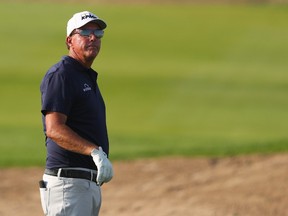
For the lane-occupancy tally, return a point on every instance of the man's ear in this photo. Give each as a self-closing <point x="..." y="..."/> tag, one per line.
<point x="68" y="42"/>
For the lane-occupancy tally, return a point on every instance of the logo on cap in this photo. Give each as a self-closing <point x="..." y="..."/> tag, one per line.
<point x="86" y="16"/>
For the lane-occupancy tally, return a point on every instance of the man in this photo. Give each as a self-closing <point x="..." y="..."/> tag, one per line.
<point x="74" y="121"/>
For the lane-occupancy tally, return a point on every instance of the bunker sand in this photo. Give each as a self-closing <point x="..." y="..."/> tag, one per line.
<point x="247" y="185"/>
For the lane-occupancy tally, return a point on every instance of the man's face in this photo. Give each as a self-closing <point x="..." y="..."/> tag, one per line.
<point x="85" y="48"/>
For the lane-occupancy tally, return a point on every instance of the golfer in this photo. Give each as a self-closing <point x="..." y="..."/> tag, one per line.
<point x="74" y="121"/>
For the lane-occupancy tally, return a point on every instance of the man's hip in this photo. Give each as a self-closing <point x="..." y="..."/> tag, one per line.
<point x="70" y="195"/>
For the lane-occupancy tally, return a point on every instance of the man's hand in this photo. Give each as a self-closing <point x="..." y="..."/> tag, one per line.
<point x="104" y="166"/>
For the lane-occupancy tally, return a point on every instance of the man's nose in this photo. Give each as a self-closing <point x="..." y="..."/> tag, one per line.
<point x="92" y="37"/>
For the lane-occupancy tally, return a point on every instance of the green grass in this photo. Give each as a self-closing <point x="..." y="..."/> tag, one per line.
<point x="178" y="80"/>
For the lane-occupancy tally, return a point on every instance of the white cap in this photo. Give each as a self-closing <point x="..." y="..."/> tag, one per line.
<point x="82" y="18"/>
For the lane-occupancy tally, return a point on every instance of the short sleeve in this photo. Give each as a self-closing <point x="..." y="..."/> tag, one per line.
<point x="56" y="93"/>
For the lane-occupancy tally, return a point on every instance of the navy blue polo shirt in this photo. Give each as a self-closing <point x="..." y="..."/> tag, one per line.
<point x="72" y="89"/>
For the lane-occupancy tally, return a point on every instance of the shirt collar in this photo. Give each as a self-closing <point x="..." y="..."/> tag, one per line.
<point x="79" y="66"/>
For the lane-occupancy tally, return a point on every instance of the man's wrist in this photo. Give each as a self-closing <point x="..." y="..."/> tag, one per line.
<point x="94" y="151"/>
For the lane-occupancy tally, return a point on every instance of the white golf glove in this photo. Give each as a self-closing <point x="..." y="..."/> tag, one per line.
<point x="104" y="166"/>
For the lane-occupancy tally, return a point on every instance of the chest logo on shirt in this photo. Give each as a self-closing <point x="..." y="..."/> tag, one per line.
<point x="86" y="87"/>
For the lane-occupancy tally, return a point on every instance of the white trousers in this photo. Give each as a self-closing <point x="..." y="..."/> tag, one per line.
<point x="70" y="197"/>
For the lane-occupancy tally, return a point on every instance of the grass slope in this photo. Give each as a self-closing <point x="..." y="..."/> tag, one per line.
<point x="178" y="79"/>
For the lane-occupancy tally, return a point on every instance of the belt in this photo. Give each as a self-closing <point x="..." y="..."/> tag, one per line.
<point x="72" y="173"/>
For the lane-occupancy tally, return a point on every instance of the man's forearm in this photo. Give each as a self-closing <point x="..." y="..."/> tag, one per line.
<point x="64" y="136"/>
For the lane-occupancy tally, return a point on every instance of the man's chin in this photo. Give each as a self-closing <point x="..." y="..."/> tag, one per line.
<point x="91" y="55"/>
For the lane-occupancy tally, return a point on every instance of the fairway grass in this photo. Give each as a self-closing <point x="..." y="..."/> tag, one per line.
<point x="190" y="80"/>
